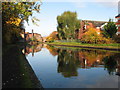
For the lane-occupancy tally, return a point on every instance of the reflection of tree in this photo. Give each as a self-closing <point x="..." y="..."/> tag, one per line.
<point x="91" y="58"/>
<point x="67" y="63"/>
<point x="111" y="63"/>
<point x="52" y="50"/>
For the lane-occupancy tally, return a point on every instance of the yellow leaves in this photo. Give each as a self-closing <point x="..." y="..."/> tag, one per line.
<point x="19" y="3"/>
<point x="52" y="36"/>
<point x="91" y="31"/>
<point x="15" y="21"/>
<point x="49" y="38"/>
<point x="92" y="36"/>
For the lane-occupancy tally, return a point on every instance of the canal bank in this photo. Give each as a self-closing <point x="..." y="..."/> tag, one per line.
<point x="16" y="71"/>
<point x="112" y="47"/>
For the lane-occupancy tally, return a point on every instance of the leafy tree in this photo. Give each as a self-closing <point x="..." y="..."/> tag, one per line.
<point x="67" y="24"/>
<point x="110" y="29"/>
<point x="13" y="13"/>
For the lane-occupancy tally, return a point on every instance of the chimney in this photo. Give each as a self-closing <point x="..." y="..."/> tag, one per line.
<point x="32" y="33"/>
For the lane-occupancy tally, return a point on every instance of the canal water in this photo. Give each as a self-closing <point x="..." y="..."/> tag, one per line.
<point x="66" y="67"/>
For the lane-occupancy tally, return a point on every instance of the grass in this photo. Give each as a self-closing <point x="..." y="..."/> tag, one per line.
<point x="77" y="44"/>
<point x="80" y="48"/>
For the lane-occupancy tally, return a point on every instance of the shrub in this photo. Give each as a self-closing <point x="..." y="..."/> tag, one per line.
<point x="49" y="39"/>
<point x="116" y="38"/>
<point x="91" y="36"/>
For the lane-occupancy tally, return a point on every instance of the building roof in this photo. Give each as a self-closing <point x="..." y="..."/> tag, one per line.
<point x="96" y="23"/>
<point x="117" y="16"/>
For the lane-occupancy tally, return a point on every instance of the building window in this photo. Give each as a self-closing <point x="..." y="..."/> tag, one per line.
<point x="118" y="18"/>
<point x="118" y="25"/>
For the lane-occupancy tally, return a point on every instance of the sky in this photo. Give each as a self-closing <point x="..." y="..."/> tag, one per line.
<point x="99" y="10"/>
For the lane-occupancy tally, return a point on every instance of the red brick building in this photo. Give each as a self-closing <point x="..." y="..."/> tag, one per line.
<point x="86" y="24"/>
<point x="29" y="36"/>
<point x="118" y="24"/>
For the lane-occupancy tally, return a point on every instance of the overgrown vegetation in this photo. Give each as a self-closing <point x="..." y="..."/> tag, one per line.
<point x="13" y="15"/>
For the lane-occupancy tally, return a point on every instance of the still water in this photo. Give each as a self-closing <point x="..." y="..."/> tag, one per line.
<point x="60" y="67"/>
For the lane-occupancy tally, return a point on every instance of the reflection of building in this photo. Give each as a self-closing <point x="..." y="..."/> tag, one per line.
<point x="90" y="58"/>
<point x="32" y="49"/>
<point x="69" y="61"/>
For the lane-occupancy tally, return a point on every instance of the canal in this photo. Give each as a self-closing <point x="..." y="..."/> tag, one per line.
<point x="65" y="67"/>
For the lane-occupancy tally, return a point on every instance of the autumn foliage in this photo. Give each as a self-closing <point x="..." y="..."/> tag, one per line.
<point x="92" y="36"/>
<point x="53" y="36"/>
<point x="15" y="21"/>
<point x="13" y="14"/>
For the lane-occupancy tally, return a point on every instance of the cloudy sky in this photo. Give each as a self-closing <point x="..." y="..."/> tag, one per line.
<point x="100" y="10"/>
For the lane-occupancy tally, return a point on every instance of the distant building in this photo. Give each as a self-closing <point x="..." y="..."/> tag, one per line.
<point x="118" y="19"/>
<point x="118" y="24"/>
<point x="30" y="36"/>
<point x="86" y="24"/>
<point x="102" y="26"/>
<point x="37" y="36"/>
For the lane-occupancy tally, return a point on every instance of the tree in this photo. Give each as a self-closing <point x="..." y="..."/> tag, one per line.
<point x="13" y="13"/>
<point x="67" y="24"/>
<point x="91" y="36"/>
<point x="110" y="29"/>
<point x="53" y="36"/>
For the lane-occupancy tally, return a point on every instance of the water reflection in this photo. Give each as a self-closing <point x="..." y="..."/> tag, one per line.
<point x="32" y="49"/>
<point x="70" y="60"/>
<point x="112" y="64"/>
<point x="68" y="63"/>
<point x="52" y="50"/>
